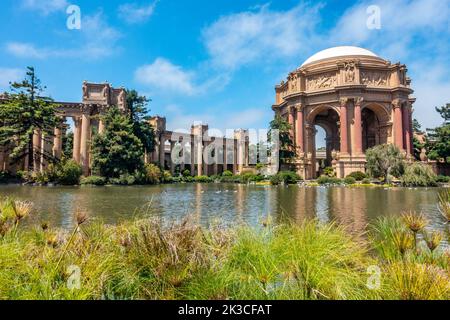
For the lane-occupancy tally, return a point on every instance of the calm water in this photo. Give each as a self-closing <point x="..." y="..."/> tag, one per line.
<point x="229" y="203"/>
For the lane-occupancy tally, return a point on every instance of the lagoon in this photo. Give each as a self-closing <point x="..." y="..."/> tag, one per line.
<point x="355" y="207"/>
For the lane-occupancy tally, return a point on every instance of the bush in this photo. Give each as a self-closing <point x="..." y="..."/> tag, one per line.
<point x="124" y="180"/>
<point x="69" y="173"/>
<point x="358" y="175"/>
<point x="188" y="179"/>
<point x="366" y="181"/>
<point x="324" y="180"/>
<point x="94" y="181"/>
<point x="349" y="180"/>
<point x="443" y="179"/>
<point x="329" y="172"/>
<point x="186" y="173"/>
<point x="203" y="179"/>
<point x="250" y="177"/>
<point x="287" y="177"/>
<point x="419" y="175"/>
<point x="153" y="174"/>
<point x="227" y="173"/>
<point x="290" y="177"/>
<point x="167" y="177"/>
<point x="276" y="179"/>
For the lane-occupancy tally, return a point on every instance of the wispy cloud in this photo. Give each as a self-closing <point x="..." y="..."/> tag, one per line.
<point x="8" y="75"/>
<point x="45" y="6"/>
<point x="134" y="13"/>
<point x="96" y="39"/>
<point x="260" y="34"/>
<point x="165" y="76"/>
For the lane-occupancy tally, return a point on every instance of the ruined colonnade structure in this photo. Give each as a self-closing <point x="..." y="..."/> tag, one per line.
<point x="198" y="152"/>
<point x="357" y="97"/>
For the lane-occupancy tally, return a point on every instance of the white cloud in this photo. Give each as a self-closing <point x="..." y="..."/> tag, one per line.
<point x="26" y="50"/>
<point x="165" y="76"/>
<point x="96" y="39"/>
<point x="262" y="34"/>
<point x="8" y="75"/>
<point x="134" y="13"/>
<point x="45" y="6"/>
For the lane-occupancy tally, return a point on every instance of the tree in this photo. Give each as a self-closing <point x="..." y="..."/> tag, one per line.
<point x="138" y="114"/>
<point x="384" y="161"/>
<point x="438" y="142"/>
<point x="286" y="150"/>
<point x="418" y="145"/>
<point x="118" y="151"/>
<point x="67" y="142"/>
<point x="25" y="110"/>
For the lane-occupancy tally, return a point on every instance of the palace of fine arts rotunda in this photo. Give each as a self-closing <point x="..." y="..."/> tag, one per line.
<point x="358" y="98"/>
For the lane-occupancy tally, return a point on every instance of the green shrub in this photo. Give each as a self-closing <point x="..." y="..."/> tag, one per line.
<point x="329" y="172"/>
<point x="186" y="173"/>
<point x="203" y="179"/>
<point x="123" y="180"/>
<point x="349" y="180"/>
<point x="443" y="179"/>
<point x="366" y="181"/>
<point x="167" y="177"/>
<point x="358" y="175"/>
<point x="69" y="173"/>
<point x="227" y="173"/>
<point x="153" y="174"/>
<point x="94" y="181"/>
<point x="324" y="180"/>
<point x="290" y="177"/>
<point x="276" y="179"/>
<point x="250" y="177"/>
<point x="188" y="179"/>
<point x="419" y="175"/>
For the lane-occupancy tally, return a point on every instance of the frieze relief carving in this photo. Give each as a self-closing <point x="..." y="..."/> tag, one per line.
<point x="375" y="78"/>
<point x="293" y="82"/>
<point x="349" y="73"/>
<point x="322" y="81"/>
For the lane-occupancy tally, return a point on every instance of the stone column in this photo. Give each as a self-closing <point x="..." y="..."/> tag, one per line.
<point x="199" y="152"/>
<point x="172" y="164"/>
<point x="192" y="156"/>
<point x="344" y="126"/>
<point x="37" y="140"/>
<point x="407" y="129"/>
<point x="84" y="143"/>
<point x="101" y="126"/>
<point x="76" y="139"/>
<point x="235" y="156"/>
<point x="291" y="121"/>
<point x="225" y="160"/>
<point x="358" y="126"/>
<point x="299" y="129"/>
<point x="57" y="143"/>
<point x="398" y="125"/>
<point x="162" y="151"/>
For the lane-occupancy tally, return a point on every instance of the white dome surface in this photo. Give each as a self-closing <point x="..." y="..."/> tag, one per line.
<point x="339" y="52"/>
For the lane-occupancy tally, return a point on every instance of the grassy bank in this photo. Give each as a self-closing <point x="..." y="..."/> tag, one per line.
<point x="141" y="259"/>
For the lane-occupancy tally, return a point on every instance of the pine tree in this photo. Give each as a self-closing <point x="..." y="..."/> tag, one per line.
<point x="438" y="142"/>
<point x="25" y="110"/>
<point x="138" y="114"/>
<point x="286" y="150"/>
<point x="117" y="151"/>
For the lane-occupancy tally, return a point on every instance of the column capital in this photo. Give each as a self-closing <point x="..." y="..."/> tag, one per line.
<point x="291" y="109"/>
<point x="359" y="101"/>
<point x="343" y="101"/>
<point x="397" y="103"/>
<point x="299" y="107"/>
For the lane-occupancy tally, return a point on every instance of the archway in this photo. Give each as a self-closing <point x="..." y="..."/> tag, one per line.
<point x="325" y="121"/>
<point x="375" y="119"/>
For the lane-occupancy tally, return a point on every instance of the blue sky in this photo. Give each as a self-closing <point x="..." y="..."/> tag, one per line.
<point x="217" y="61"/>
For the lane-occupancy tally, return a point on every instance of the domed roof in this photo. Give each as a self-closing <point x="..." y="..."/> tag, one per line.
<point x="341" y="51"/>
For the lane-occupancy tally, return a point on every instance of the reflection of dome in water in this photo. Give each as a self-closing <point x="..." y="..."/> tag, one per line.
<point x="342" y="51"/>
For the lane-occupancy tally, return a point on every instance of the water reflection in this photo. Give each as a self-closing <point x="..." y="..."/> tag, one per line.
<point x="230" y="203"/>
